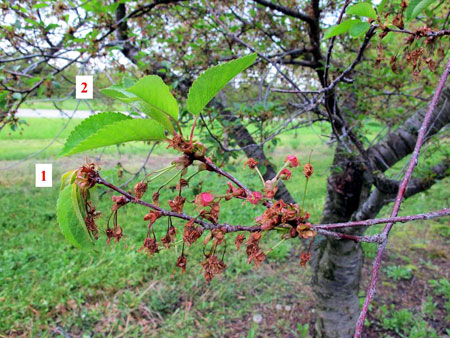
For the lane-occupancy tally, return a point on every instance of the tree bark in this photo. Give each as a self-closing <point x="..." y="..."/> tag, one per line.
<point x="336" y="264"/>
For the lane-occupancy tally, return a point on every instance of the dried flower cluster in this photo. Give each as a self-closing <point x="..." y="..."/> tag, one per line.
<point x="288" y="218"/>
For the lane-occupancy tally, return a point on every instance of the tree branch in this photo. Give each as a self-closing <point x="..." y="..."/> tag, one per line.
<point x="285" y="10"/>
<point x="385" y="234"/>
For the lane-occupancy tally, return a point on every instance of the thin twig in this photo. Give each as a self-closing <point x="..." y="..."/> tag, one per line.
<point x="398" y="201"/>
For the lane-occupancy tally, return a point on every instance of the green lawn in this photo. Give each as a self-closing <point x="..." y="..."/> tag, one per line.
<point x="49" y="288"/>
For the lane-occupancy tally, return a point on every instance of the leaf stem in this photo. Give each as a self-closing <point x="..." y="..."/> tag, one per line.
<point x="271" y="249"/>
<point x="170" y="179"/>
<point x="193" y="127"/>
<point x="260" y="176"/>
<point x="304" y="193"/>
<point x="160" y="172"/>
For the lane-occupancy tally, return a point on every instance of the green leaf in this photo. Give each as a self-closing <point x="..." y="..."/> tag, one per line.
<point x="154" y="114"/>
<point x="343" y="27"/>
<point x="211" y="81"/>
<point x="31" y="21"/>
<point x="362" y="9"/>
<point x="67" y="179"/>
<point x="119" y="132"/>
<point x="119" y="93"/>
<point x="70" y="217"/>
<point x="359" y="28"/>
<point x="41" y="5"/>
<point x="381" y="6"/>
<point x="89" y="127"/>
<point x="51" y="26"/>
<point x="128" y="82"/>
<point x="416" y="7"/>
<point x="153" y="91"/>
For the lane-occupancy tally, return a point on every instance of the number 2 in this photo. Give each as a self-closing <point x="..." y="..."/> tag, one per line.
<point x="43" y="176"/>
<point x="84" y="89"/>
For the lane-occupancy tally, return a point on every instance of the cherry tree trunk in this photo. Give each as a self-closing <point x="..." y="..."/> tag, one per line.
<point x="336" y="264"/>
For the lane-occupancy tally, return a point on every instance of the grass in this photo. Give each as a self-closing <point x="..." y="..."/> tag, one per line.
<point x="49" y="288"/>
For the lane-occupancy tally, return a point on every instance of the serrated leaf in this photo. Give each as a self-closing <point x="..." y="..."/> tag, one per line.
<point x="416" y="7"/>
<point x="211" y="81"/>
<point x="120" y="132"/>
<point x="359" y="28"/>
<point x="153" y="91"/>
<point x="154" y="114"/>
<point x="68" y="214"/>
<point x="89" y="127"/>
<point x="343" y="27"/>
<point x="362" y="9"/>
<point x="67" y="179"/>
<point x="119" y="93"/>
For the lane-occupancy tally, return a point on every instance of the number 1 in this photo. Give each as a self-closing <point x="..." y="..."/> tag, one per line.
<point x="43" y="176"/>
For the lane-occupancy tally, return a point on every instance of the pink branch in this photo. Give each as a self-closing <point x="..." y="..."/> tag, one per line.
<point x="398" y="201"/>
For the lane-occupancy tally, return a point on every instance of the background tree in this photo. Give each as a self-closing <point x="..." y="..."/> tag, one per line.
<point x="300" y="76"/>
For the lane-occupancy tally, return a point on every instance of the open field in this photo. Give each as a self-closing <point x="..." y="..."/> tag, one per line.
<point x="49" y="288"/>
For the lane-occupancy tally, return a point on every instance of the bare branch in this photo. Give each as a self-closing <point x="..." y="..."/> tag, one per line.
<point x="401" y="191"/>
<point x="285" y="10"/>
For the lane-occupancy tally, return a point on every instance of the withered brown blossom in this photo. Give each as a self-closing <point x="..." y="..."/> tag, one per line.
<point x="181" y="263"/>
<point x="119" y="201"/>
<point x="86" y="175"/>
<point x="304" y="230"/>
<point x="254" y="252"/>
<point x="116" y="233"/>
<point x="234" y="191"/>
<point x="239" y="240"/>
<point x="155" y="198"/>
<point x="182" y="162"/>
<point x="169" y="237"/>
<point x="219" y="236"/>
<point x="152" y="216"/>
<point x="191" y="232"/>
<point x="212" y="266"/>
<point x="150" y="246"/>
<point x="182" y="184"/>
<point x="139" y="190"/>
<point x="304" y="258"/>
<point x="177" y="204"/>
<point x="213" y="213"/>
<point x="308" y="170"/>
<point x="178" y="143"/>
<point x="270" y="188"/>
<point x="89" y="220"/>
<point x="251" y="163"/>
<point x="272" y="216"/>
